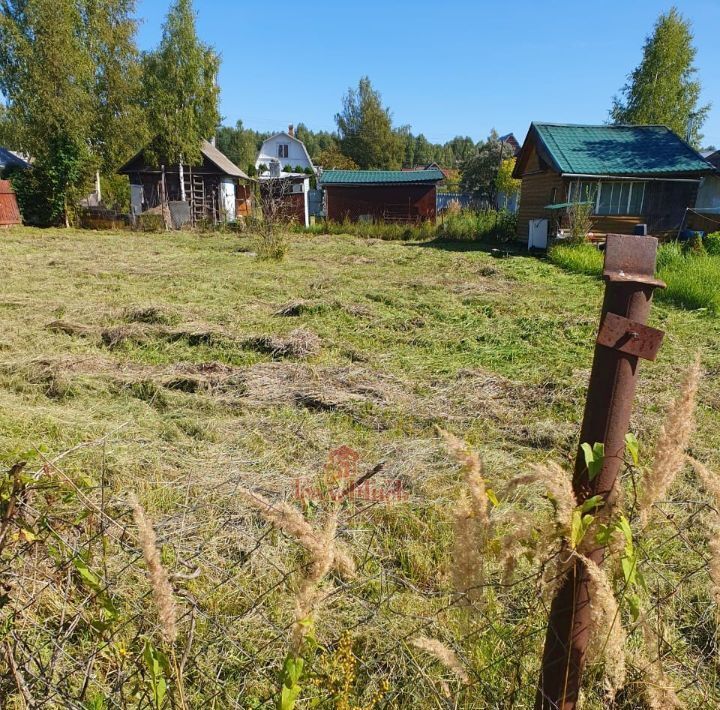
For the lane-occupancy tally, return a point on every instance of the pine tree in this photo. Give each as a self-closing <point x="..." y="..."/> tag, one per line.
<point x="365" y="128"/>
<point x="663" y="88"/>
<point x="181" y="89"/>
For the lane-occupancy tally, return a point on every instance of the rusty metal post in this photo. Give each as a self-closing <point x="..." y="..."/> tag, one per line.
<point x="622" y="339"/>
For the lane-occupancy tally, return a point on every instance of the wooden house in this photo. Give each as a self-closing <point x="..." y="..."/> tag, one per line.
<point x="215" y="191"/>
<point x="283" y="152"/>
<point x="633" y="175"/>
<point x="380" y="195"/>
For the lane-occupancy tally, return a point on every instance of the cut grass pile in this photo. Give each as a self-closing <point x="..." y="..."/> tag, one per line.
<point x="693" y="280"/>
<point x="203" y="369"/>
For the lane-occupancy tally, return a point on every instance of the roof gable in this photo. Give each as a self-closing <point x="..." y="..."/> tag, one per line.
<point x="9" y="159"/>
<point x="380" y="177"/>
<point x="612" y="150"/>
<point x="287" y="136"/>
<point x="207" y="150"/>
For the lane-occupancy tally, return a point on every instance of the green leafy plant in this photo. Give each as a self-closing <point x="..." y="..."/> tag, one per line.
<point x="594" y="457"/>
<point x="157" y="668"/>
<point x="290" y="682"/>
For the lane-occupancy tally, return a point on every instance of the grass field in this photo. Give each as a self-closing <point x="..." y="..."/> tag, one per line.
<point x="199" y="365"/>
<point x="692" y="280"/>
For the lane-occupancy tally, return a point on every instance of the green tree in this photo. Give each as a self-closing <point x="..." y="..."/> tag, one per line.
<point x="365" y="128"/>
<point x="663" y="88"/>
<point x="334" y="159"/>
<point x="48" y="77"/>
<point x="315" y="141"/>
<point x="407" y="141"/>
<point x="479" y="173"/>
<point x="119" y="127"/>
<point x="240" y="144"/>
<point x="70" y="72"/>
<point x="424" y="153"/>
<point x="463" y="148"/>
<point x="181" y="93"/>
<point x="505" y="184"/>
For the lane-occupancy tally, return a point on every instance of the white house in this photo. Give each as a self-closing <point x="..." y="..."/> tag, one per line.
<point x="283" y="153"/>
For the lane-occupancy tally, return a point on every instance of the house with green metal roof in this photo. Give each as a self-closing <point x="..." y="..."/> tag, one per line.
<point x="380" y="195"/>
<point x="633" y="175"/>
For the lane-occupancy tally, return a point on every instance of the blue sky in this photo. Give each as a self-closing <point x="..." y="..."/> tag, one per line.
<point x="447" y="68"/>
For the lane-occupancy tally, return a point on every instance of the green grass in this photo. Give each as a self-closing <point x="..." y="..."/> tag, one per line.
<point x="412" y="336"/>
<point x="693" y="280"/>
<point x="467" y="225"/>
<point x="581" y="258"/>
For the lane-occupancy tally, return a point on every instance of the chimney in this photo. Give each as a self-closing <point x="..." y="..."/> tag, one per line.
<point x="291" y="130"/>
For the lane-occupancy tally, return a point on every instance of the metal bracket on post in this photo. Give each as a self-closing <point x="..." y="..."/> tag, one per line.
<point x="629" y="336"/>
<point x="622" y="339"/>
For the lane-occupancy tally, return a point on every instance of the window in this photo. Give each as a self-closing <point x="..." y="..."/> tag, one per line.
<point x="283" y="150"/>
<point x="624" y="197"/>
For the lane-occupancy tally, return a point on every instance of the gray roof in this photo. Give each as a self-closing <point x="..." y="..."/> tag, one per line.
<point x="209" y="151"/>
<point x="222" y="161"/>
<point x="9" y="159"/>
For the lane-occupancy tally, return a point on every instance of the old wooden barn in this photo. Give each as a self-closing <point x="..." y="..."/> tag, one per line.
<point x="380" y="195"/>
<point x="634" y="176"/>
<point x="214" y="191"/>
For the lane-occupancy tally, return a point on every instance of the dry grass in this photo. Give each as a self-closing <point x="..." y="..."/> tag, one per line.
<point x="300" y="343"/>
<point x="444" y="654"/>
<point x="672" y="443"/>
<point x="161" y="589"/>
<point x="608" y="638"/>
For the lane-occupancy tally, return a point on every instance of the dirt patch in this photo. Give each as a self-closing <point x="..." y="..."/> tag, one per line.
<point x="299" y="343"/>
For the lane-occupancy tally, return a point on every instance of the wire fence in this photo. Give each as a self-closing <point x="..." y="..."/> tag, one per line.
<point x="80" y="626"/>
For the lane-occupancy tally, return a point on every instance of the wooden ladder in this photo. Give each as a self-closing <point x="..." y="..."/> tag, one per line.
<point x="196" y="196"/>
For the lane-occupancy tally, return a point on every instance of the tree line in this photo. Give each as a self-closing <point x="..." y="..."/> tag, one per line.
<point x="80" y="99"/>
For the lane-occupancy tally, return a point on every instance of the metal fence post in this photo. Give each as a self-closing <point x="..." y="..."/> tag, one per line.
<point x="622" y="339"/>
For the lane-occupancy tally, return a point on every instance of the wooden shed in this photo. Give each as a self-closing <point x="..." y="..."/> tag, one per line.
<point x="633" y="175"/>
<point x="216" y="190"/>
<point x="9" y="211"/>
<point x="380" y="195"/>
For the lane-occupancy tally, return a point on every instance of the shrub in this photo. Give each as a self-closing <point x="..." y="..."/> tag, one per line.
<point x="694" y="245"/>
<point x="712" y="243"/>
<point x="579" y="216"/>
<point x="151" y="222"/>
<point x="489" y="225"/>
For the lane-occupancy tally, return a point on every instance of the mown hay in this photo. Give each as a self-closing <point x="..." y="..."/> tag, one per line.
<point x="76" y="329"/>
<point x="299" y="343"/>
<point x="149" y="314"/>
